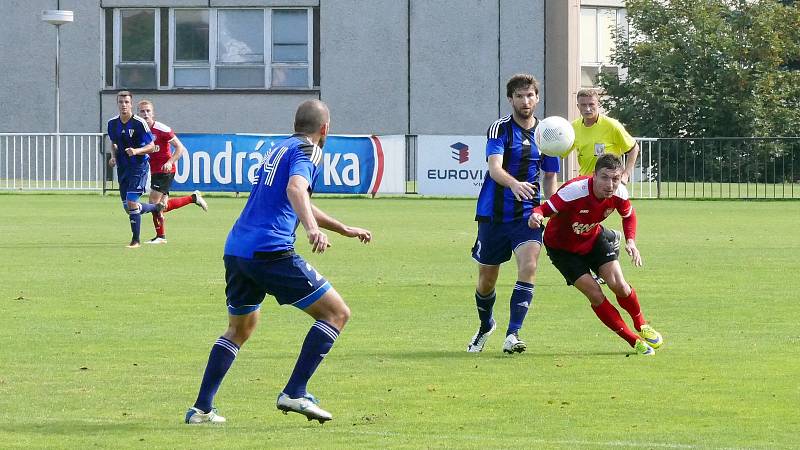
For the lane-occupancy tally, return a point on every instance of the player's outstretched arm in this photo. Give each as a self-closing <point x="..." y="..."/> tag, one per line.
<point x="329" y="223"/>
<point x="549" y="184"/>
<point x="630" y="163"/>
<point x="297" y="191"/>
<point x="140" y="150"/>
<point x="176" y="155"/>
<point x="113" y="160"/>
<point x="538" y="214"/>
<point x="633" y="252"/>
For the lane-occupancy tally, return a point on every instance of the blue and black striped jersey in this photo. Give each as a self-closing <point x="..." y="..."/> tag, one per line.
<point x="522" y="160"/>
<point x="131" y="134"/>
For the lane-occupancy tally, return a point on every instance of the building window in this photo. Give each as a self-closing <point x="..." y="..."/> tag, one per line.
<point x="240" y="48"/>
<point x="216" y="48"/>
<point x="137" y="49"/>
<point x="190" y="63"/>
<point x="597" y="41"/>
<point x="290" y="55"/>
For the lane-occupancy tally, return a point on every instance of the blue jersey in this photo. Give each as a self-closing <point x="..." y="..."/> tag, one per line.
<point x="134" y="134"/>
<point x="268" y="221"/>
<point x="522" y="160"/>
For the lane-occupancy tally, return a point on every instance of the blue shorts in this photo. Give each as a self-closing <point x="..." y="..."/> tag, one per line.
<point x="132" y="183"/>
<point x="290" y="279"/>
<point x="496" y="241"/>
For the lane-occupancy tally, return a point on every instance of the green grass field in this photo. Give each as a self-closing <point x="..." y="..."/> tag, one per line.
<point x="105" y="346"/>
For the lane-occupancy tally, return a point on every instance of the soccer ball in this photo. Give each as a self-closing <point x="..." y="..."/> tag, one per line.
<point x="554" y="136"/>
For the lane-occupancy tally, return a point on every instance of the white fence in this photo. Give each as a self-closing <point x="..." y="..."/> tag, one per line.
<point x="46" y="161"/>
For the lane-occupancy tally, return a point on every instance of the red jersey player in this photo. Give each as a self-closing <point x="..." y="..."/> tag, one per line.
<point x="162" y="171"/>
<point x="576" y="243"/>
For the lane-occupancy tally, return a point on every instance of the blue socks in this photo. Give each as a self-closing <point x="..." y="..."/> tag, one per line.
<point x="219" y="361"/>
<point x="521" y="301"/>
<point x="318" y="342"/>
<point x="136" y="218"/>
<point x="485" y="305"/>
<point x="147" y="208"/>
<point x="136" y="224"/>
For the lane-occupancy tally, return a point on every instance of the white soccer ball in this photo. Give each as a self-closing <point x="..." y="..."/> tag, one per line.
<point x="554" y="136"/>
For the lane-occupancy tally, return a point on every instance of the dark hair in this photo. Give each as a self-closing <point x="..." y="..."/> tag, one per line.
<point x="310" y="116"/>
<point x="521" y="81"/>
<point x="608" y="161"/>
<point x="124" y="94"/>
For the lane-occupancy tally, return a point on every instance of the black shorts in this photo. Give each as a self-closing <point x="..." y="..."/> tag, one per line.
<point x="572" y="265"/>
<point x="161" y="182"/>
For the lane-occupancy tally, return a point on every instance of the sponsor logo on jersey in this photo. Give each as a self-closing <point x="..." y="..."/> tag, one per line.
<point x="580" y="228"/>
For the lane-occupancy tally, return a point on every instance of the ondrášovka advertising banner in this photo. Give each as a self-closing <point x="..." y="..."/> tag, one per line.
<point x="451" y="165"/>
<point x="228" y="162"/>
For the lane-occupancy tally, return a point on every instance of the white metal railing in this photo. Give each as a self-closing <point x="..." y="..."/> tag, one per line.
<point x="46" y="161"/>
<point x="643" y="183"/>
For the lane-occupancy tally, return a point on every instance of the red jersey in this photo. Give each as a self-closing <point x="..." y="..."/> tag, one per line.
<point x="162" y="134"/>
<point x="576" y="214"/>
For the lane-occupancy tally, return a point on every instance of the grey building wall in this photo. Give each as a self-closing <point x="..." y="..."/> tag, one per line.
<point x="386" y="67"/>
<point x="522" y="46"/>
<point x="219" y="112"/>
<point x="27" y="58"/>
<point x="364" y="71"/>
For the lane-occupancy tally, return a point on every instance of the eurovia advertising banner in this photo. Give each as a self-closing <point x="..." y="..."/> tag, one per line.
<point x="228" y="163"/>
<point x="451" y="165"/>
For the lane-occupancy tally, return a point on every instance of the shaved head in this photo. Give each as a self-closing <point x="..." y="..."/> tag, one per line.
<point x="310" y="116"/>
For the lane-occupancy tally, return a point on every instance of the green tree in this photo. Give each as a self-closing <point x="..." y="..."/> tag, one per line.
<point x="707" y="68"/>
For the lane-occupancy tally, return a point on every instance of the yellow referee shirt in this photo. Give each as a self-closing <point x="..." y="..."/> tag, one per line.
<point x="606" y="136"/>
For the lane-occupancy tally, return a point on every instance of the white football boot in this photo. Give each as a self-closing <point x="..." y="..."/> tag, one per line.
<point x="479" y="340"/>
<point x="194" y="415"/>
<point x="199" y="200"/>
<point x="513" y="344"/>
<point x="307" y="406"/>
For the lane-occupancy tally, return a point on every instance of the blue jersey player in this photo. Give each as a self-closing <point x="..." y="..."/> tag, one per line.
<point x="509" y="193"/>
<point x="260" y="259"/>
<point x="131" y="141"/>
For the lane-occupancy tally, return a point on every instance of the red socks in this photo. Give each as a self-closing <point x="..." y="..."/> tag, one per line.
<point x="180" y="202"/>
<point x="631" y="304"/>
<point x="158" y="223"/>
<point x="611" y="318"/>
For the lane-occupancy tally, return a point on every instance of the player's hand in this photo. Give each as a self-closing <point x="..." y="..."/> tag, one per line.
<point x="167" y="167"/>
<point x="633" y="252"/>
<point x="130" y="151"/>
<point x="535" y="220"/>
<point x="112" y="162"/>
<point x="523" y="190"/>
<point x="363" y="235"/>
<point x="318" y="240"/>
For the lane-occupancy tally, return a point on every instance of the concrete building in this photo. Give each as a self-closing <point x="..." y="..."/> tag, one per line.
<point x="384" y="66"/>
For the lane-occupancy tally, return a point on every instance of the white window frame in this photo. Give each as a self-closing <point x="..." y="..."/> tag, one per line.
<point x="598" y="64"/>
<point x="212" y="48"/>
<point x="209" y="65"/>
<point x="309" y="50"/>
<point x="118" y="44"/>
